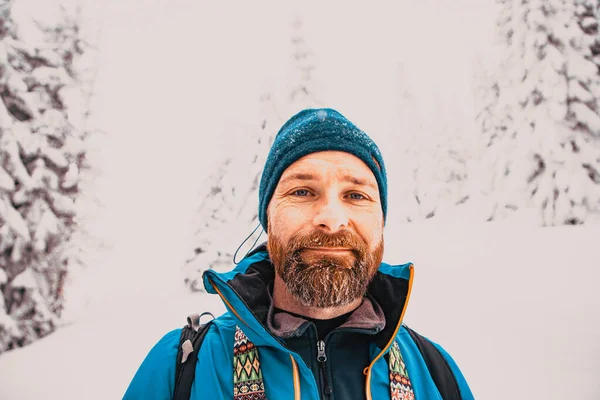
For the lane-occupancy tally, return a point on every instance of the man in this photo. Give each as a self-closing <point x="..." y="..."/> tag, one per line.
<point x="315" y="314"/>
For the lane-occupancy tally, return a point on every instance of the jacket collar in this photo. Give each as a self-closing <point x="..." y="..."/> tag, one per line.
<point x="245" y="292"/>
<point x="368" y="316"/>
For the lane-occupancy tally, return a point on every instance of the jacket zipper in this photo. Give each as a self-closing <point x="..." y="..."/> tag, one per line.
<point x="322" y="359"/>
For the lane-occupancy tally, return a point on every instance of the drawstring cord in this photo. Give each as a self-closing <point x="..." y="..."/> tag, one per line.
<point x="245" y="240"/>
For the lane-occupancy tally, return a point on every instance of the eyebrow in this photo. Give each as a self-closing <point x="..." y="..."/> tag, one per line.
<point x="346" y="178"/>
<point x="359" y="181"/>
<point x="298" y="176"/>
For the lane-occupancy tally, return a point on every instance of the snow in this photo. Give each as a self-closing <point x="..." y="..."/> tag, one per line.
<point x="71" y="178"/>
<point x="51" y="77"/>
<point x="48" y="225"/>
<point x="61" y="204"/>
<point x="6" y="181"/>
<point x="25" y="280"/>
<point x="537" y="85"/>
<point x="12" y="218"/>
<point x="587" y="116"/>
<point x="580" y="66"/>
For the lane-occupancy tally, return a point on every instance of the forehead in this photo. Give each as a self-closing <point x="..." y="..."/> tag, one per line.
<point x="327" y="163"/>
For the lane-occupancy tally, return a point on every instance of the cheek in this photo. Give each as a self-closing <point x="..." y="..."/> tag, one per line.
<point x="286" y="219"/>
<point x="370" y="227"/>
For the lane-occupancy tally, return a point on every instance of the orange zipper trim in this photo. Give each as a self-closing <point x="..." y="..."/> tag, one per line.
<point x="367" y="370"/>
<point x="226" y="302"/>
<point x="297" y="394"/>
<point x="296" y="374"/>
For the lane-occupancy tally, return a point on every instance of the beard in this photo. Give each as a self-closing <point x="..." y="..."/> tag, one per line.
<point x="325" y="280"/>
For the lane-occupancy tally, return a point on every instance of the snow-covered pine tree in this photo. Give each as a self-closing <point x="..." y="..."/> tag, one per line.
<point x="229" y="210"/>
<point x="41" y="158"/>
<point x="409" y="123"/>
<point x="302" y="87"/>
<point x="433" y="154"/>
<point x="543" y="127"/>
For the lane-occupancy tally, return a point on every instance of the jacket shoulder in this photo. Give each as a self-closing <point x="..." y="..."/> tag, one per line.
<point x="154" y="378"/>
<point x="225" y="321"/>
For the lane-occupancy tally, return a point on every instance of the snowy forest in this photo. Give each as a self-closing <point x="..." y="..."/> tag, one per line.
<point x="45" y="90"/>
<point x="530" y="154"/>
<point x="132" y="140"/>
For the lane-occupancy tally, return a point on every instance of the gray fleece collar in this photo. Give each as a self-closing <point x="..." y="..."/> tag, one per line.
<point x="368" y="316"/>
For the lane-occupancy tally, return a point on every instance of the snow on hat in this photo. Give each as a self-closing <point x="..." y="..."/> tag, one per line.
<point x="311" y="131"/>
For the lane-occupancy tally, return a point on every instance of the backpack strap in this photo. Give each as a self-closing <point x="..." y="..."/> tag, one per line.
<point x="438" y="367"/>
<point x="192" y="336"/>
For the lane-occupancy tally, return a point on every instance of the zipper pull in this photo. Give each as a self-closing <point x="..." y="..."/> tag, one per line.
<point x="322" y="359"/>
<point x="321" y="356"/>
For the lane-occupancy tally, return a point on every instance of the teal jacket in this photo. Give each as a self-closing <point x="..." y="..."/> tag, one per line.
<point x="245" y="292"/>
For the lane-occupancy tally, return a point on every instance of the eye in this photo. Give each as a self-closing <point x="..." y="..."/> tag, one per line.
<point x="301" y="193"/>
<point x="356" y="196"/>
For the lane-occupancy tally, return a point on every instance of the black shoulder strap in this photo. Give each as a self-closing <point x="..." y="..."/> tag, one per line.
<point x="440" y="371"/>
<point x="190" y="341"/>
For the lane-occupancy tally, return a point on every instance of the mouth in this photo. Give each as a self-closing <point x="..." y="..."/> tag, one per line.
<point x="329" y="249"/>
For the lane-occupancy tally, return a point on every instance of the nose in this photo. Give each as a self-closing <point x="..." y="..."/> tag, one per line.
<point x="331" y="215"/>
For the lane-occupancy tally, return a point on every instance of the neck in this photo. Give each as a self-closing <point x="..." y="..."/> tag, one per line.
<point x="284" y="300"/>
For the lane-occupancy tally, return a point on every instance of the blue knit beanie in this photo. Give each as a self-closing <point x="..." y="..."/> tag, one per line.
<point x="311" y="131"/>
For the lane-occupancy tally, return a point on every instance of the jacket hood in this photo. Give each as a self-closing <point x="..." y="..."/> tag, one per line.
<point x="245" y="292"/>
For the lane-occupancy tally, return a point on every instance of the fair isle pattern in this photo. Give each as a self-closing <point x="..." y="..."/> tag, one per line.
<point x="247" y="376"/>
<point x="400" y="386"/>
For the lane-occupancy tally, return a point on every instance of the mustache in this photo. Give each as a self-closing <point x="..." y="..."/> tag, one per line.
<point x="319" y="239"/>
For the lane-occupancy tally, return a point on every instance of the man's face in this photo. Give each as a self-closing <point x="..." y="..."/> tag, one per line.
<point x="326" y="228"/>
